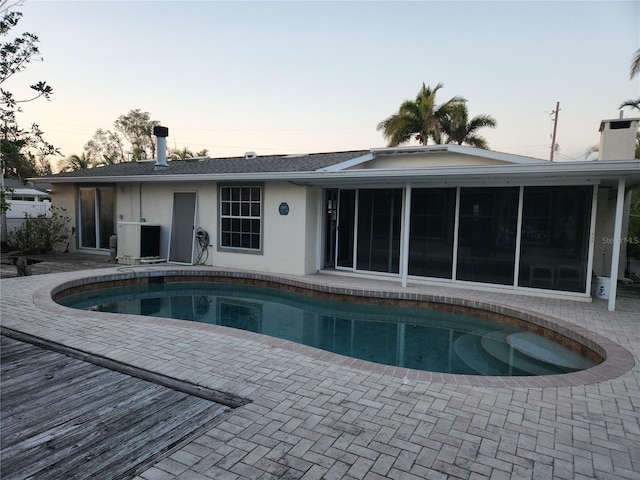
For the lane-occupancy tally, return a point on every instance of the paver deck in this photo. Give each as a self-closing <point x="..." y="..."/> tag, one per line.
<point x="323" y="416"/>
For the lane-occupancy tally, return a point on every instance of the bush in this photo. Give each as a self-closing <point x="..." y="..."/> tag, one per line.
<point x="42" y="233"/>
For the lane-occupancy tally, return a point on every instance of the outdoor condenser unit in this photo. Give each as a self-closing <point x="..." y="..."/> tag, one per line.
<point x="138" y="242"/>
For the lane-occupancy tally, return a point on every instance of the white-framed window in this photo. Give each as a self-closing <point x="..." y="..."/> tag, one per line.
<point x="241" y="219"/>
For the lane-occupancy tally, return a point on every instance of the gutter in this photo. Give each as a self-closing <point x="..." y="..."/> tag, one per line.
<point x="590" y="171"/>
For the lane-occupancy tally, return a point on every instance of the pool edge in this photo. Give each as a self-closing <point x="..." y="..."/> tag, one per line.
<point x="617" y="359"/>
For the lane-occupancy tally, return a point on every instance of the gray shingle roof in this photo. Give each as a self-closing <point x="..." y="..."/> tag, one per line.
<point x="15" y="183"/>
<point x="269" y="163"/>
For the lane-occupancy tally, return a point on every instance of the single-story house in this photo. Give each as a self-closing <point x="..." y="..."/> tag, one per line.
<point x="443" y="213"/>
<point x="25" y="198"/>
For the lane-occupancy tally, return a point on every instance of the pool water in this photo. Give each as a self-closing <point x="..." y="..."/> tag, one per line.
<point x="406" y="337"/>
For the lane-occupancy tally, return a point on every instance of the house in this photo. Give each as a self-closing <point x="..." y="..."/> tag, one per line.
<point x="444" y="213"/>
<point x="28" y="198"/>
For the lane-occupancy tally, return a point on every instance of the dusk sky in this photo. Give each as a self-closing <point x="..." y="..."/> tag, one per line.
<point x="298" y="76"/>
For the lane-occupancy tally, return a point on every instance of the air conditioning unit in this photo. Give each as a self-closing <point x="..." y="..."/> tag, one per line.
<point x="138" y="242"/>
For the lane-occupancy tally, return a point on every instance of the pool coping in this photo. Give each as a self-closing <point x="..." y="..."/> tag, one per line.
<point x="617" y="359"/>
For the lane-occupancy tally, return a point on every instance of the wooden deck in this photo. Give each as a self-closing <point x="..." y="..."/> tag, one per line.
<point x="63" y="417"/>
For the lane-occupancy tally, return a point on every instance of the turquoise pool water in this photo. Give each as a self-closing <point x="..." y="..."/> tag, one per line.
<point x="407" y="337"/>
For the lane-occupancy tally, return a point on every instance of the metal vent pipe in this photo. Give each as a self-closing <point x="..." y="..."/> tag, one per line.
<point x="161" y="134"/>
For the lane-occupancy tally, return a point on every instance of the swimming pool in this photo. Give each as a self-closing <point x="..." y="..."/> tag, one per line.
<point x="385" y="331"/>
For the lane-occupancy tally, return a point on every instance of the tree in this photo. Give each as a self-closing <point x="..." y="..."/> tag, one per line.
<point x="420" y="119"/>
<point x="24" y="151"/>
<point x="76" y="162"/>
<point x="105" y="148"/>
<point x="180" y="154"/>
<point x="458" y="129"/>
<point x="633" y="71"/>
<point x="137" y="128"/>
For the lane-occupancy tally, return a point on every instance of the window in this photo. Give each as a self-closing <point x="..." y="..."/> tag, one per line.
<point x="241" y="217"/>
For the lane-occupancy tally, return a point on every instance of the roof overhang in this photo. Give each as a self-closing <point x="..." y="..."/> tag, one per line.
<point x="539" y="173"/>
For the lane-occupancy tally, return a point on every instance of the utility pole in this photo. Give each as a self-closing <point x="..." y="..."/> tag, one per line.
<point x="555" y="127"/>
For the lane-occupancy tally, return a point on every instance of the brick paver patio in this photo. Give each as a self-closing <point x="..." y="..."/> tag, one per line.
<point x="315" y="415"/>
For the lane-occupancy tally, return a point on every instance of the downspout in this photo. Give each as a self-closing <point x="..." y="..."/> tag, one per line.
<point x="617" y="240"/>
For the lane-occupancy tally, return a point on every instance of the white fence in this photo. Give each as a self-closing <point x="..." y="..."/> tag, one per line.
<point x="15" y="216"/>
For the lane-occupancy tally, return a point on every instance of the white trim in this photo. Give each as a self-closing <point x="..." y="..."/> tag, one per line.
<point x="516" y="270"/>
<point x="321" y="204"/>
<point x="617" y="240"/>
<point x="405" y="233"/>
<point x="592" y="239"/>
<point x="456" y="231"/>
<point x="347" y="164"/>
<point x="356" y="229"/>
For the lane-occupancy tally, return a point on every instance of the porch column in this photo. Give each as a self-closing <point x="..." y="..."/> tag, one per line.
<point x="406" y="222"/>
<point x="617" y="241"/>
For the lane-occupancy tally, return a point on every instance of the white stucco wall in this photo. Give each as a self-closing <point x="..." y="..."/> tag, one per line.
<point x="153" y="203"/>
<point x="287" y="247"/>
<point x="289" y="241"/>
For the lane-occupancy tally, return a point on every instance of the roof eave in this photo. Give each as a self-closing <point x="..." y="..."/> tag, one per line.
<point x="586" y="170"/>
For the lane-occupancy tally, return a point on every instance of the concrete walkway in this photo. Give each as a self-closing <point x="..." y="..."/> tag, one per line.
<point x="315" y="415"/>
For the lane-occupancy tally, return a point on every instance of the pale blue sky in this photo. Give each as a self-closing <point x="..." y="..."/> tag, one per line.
<point x="290" y="77"/>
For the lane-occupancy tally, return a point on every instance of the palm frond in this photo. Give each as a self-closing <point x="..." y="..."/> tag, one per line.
<point x="633" y="103"/>
<point x="635" y="64"/>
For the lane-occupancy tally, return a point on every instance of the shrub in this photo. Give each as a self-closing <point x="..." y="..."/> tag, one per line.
<point x="42" y="233"/>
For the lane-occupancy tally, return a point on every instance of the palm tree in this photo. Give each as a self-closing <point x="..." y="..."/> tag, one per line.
<point x="180" y="154"/>
<point x="77" y="162"/>
<point x="458" y="129"/>
<point x="633" y="71"/>
<point x="420" y="119"/>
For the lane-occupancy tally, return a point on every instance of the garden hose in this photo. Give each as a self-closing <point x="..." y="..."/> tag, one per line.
<point x="203" y="246"/>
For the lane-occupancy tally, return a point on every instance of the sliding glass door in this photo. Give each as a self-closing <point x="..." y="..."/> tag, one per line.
<point x="555" y="232"/>
<point x="379" y="224"/>
<point x="96" y="207"/>
<point x="478" y="226"/>
<point x="369" y="224"/>
<point x="346" y="228"/>
<point x="432" y="232"/>
<point x="487" y="234"/>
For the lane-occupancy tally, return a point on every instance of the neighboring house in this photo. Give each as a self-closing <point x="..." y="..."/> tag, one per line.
<point x="444" y="213"/>
<point x="26" y="198"/>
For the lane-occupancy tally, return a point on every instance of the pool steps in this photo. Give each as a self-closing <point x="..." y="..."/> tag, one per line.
<point x="492" y="353"/>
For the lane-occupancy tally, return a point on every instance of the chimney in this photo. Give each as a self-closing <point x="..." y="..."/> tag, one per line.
<point x="618" y="139"/>
<point x="161" y="134"/>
